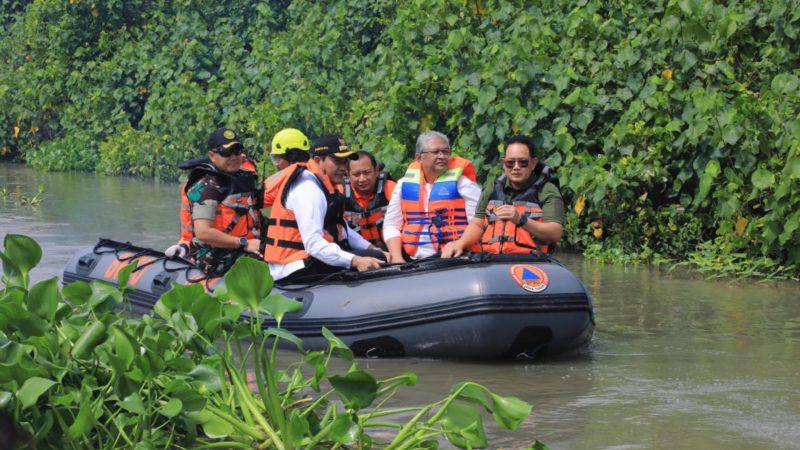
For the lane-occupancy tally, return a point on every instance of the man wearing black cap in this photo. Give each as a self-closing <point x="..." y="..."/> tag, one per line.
<point x="225" y="217"/>
<point x="307" y="233"/>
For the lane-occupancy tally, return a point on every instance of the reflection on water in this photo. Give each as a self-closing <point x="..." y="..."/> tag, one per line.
<point x="78" y="208"/>
<point x="676" y="362"/>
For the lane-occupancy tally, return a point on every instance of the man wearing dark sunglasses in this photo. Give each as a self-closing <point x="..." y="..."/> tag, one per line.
<point x="224" y="205"/>
<point x="523" y="212"/>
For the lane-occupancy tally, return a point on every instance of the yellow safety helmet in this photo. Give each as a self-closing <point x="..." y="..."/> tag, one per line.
<point x="287" y="139"/>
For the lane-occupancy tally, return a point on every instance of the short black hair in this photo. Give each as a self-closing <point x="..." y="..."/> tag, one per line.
<point x="361" y="153"/>
<point x="294" y="155"/>
<point x="520" y="139"/>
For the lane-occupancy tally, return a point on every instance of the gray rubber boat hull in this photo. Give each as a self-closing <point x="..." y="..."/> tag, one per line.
<point x="483" y="307"/>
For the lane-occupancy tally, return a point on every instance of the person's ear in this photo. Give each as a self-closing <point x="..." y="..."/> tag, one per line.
<point x="317" y="159"/>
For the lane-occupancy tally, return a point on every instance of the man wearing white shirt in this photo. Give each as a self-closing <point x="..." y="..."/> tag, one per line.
<point x="433" y="203"/>
<point x="306" y="233"/>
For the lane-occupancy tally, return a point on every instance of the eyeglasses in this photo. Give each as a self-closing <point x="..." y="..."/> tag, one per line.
<point x="227" y="152"/>
<point x="439" y="152"/>
<point x="510" y="163"/>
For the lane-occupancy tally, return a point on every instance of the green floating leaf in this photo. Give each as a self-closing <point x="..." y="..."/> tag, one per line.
<point x="463" y="426"/>
<point x="357" y="389"/>
<point x="277" y="306"/>
<point x="217" y="428"/>
<point x="85" y="420"/>
<point x="537" y="445"/>
<point x="509" y="412"/>
<point x="298" y="426"/>
<point x="286" y="335"/>
<point x="317" y="361"/>
<point x="207" y="312"/>
<point x="78" y="292"/>
<point x="207" y="376"/>
<point x="172" y="408"/>
<point x="472" y="393"/>
<point x="92" y="335"/>
<point x="123" y="347"/>
<point x="133" y="403"/>
<point x="180" y="297"/>
<point x="337" y="346"/>
<point x="248" y="282"/>
<point x="125" y="274"/>
<point x="13" y="275"/>
<point x="32" y="389"/>
<point x="24" y="251"/>
<point x="43" y="298"/>
<point x="344" y="430"/>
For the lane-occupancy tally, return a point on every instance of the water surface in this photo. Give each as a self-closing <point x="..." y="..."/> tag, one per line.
<point x="676" y="362"/>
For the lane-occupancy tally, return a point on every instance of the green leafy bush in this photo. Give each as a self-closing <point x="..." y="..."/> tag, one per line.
<point x="650" y="111"/>
<point x="75" y="373"/>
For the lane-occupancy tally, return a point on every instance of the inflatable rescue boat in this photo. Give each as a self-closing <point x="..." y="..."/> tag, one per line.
<point x="476" y="307"/>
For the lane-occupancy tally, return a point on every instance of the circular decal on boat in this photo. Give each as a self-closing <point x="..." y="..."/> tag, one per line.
<point x="530" y="277"/>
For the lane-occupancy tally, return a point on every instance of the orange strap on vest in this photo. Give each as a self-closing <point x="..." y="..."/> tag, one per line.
<point x="187" y="231"/>
<point x="284" y="244"/>
<point x="366" y="218"/>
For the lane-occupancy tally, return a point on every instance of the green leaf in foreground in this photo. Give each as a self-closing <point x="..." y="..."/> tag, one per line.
<point x="337" y="346"/>
<point x="278" y="305"/>
<point x="509" y="412"/>
<point x="248" y="282"/>
<point x="43" y="298"/>
<point x="24" y="251"/>
<point x="344" y="429"/>
<point x="357" y="389"/>
<point x="32" y="389"/>
<point x="463" y="426"/>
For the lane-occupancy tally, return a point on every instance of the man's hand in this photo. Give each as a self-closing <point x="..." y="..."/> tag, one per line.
<point x="507" y="212"/>
<point x="452" y="249"/>
<point x="253" y="246"/>
<point x="364" y="263"/>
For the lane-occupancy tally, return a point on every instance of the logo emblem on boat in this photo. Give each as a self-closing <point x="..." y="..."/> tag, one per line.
<point x="529" y="277"/>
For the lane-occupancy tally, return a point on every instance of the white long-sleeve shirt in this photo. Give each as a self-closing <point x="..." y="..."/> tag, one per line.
<point x="307" y="201"/>
<point x="469" y="190"/>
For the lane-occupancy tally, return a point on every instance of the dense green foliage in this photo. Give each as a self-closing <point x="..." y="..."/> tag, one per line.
<point x="76" y="374"/>
<point x="673" y="124"/>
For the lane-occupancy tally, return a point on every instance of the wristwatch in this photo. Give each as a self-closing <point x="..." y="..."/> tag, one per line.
<point x="242" y="243"/>
<point x="523" y="219"/>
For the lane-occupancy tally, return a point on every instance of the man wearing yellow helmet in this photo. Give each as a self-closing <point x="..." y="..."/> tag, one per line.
<point x="306" y="231"/>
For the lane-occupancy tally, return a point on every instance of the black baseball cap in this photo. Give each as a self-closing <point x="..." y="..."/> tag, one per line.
<point x="224" y="138"/>
<point x="332" y="144"/>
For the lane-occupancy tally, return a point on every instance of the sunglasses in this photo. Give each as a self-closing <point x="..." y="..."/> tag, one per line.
<point x="510" y="163"/>
<point x="227" y="152"/>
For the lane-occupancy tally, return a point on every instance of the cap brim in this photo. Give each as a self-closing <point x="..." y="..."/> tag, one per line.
<point x="344" y="154"/>
<point x="232" y="144"/>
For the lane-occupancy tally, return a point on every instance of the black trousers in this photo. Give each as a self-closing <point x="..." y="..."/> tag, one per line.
<point x="317" y="267"/>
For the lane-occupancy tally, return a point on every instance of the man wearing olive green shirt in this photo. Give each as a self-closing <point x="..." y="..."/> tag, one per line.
<point x="522" y="211"/>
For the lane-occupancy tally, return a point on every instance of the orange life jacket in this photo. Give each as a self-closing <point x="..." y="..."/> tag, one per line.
<point x="237" y="214"/>
<point x="186" y="208"/>
<point x="446" y="217"/>
<point x="504" y="236"/>
<point x="284" y="244"/>
<point x="365" y="215"/>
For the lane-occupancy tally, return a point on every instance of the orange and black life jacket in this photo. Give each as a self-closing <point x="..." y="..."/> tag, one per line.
<point x="186" y="208"/>
<point x="445" y="219"/>
<point x="284" y="244"/>
<point x="504" y="236"/>
<point x="238" y="213"/>
<point x="366" y="218"/>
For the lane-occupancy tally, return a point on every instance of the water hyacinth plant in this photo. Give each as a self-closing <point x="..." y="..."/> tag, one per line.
<point x="201" y="372"/>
